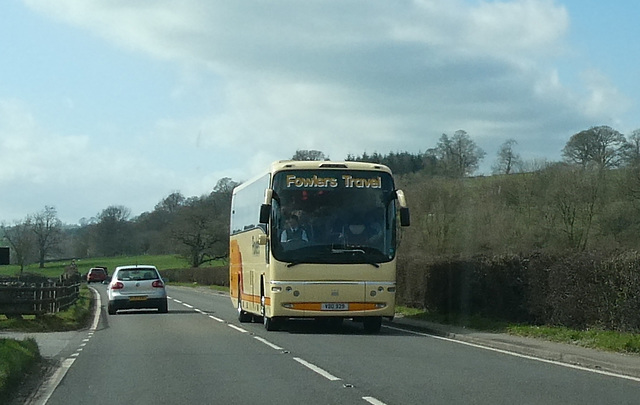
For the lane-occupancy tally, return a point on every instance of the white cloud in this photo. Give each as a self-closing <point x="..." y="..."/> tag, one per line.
<point x="602" y="97"/>
<point x="338" y="76"/>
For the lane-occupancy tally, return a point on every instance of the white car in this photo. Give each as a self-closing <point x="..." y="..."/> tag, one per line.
<point x="136" y="287"/>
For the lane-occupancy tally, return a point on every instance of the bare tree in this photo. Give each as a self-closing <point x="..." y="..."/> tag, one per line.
<point x="631" y="151"/>
<point x="171" y="202"/>
<point x="48" y="230"/>
<point x="201" y="229"/>
<point x="21" y="238"/>
<point x="111" y="231"/>
<point x="309" y="155"/>
<point x="458" y="156"/>
<point x="601" y="145"/>
<point x="225" y="185"/>
<point x="508" y="160"/>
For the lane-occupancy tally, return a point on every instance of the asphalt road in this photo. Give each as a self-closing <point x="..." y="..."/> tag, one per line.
<point x="199" y="353"/>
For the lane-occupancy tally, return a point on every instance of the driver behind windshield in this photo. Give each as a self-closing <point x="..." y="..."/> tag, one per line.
<point x="293" y="231"/>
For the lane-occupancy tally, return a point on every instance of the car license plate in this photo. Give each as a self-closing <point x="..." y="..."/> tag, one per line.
<point x="138" y="298"/>
<point x="335" y="306"/>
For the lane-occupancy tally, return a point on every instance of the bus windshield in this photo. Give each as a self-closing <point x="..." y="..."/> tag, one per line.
<point x="333" y="216"/>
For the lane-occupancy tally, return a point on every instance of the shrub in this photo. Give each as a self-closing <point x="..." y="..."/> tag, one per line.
<point x="218" y="275"/>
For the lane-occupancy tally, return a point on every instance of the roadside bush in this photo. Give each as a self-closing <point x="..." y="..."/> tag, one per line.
<point x="578" y="290"/>
<point x="411" y="281"/>
<point x="218" y="275"/>
<point x="494" y="287"/>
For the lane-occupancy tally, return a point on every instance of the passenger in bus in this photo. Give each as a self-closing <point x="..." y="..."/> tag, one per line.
<point x="293" y="232"/>
<point x="362" y="230"/>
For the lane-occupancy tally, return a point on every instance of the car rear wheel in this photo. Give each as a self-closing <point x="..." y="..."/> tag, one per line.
<point x="111" y="309"/>
<point x="163" y="308"/>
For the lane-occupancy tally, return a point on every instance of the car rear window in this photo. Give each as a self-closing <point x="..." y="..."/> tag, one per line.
<point x="99" y="271"/>
<point x="137" y="274"/>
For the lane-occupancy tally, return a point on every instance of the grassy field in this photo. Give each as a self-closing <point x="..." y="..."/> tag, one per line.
<point x="55" y="269"/>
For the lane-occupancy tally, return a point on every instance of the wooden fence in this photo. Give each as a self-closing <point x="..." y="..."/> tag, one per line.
<point x="37" y="299"/>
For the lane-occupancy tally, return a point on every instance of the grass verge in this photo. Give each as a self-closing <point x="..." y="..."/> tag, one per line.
<point x="621" y="342"/>
<point x="17" y="360"/>
<point x="593" y="338"/>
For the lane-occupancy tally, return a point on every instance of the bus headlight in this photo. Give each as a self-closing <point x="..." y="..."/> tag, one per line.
<point x="276" y="289"/>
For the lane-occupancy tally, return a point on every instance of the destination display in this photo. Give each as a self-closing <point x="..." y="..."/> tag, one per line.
<point x="344" y="180"/>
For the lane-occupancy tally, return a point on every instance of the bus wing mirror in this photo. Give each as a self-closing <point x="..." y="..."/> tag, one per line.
<point x="405" y="219"/>
<point x="265" y="209"/>
<point x="265" y="213"/>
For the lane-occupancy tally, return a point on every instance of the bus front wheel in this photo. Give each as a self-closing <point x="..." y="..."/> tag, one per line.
<point x="270" y="324"/>
<point x="372" y="324"/>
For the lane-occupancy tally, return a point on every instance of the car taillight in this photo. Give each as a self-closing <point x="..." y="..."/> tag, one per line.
<point x="158" y="284"/>
<point x="117" y="286"/>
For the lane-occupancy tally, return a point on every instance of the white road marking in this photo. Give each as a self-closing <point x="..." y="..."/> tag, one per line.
<point x="373" y="401"/>
<point x="239" y="329"/>
<point x="57" y="377"/>
<point x="178" y="301"/>
<point x="187" y="305"/>
<point x="216" y="319"/>
<point x="266" y="342"/>
<point x="96" y="315"/>
<point x="522" y="356"/>
<point x="317" y="369"/>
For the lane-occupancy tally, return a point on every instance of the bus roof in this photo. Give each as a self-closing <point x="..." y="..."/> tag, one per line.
<point x="325" y="164"/>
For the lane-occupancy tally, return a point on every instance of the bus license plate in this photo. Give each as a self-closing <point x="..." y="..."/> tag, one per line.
<point x="335" y="306"/>
<point x="138" y="298"/>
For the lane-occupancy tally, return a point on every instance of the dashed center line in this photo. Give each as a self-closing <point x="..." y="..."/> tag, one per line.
<point x="317" y="369"/>
<point x="216" y="319"/>
<point x="373" y="401"/>
<point x="310" y="366"/>
<point x="239" y="329"/>
<point x="266" y="342"/>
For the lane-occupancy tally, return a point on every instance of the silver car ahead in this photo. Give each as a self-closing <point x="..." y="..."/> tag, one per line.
<point x="134" y="287"/>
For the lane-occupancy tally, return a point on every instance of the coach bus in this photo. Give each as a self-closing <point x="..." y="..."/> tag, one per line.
<point x="316" y="239"/>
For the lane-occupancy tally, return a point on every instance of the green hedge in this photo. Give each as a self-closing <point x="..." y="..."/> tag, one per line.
<point x="579" y="290"/>
<point x="218" y="275"/>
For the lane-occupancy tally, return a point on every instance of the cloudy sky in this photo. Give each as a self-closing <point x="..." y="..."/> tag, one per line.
<point x="121" y="102"/>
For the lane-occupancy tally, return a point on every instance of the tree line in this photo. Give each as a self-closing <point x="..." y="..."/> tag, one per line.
<point x="591" y="198"/>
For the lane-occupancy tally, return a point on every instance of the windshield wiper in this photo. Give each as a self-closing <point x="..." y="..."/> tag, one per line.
<point x="334" y="250"/>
